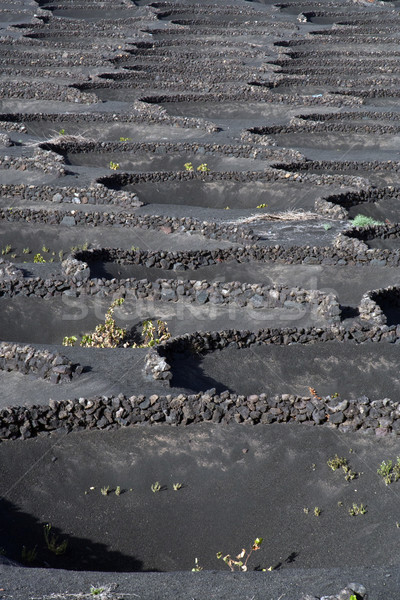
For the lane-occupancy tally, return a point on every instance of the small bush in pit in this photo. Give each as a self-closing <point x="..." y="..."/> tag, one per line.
<point x="239" y="564"/>
<point x="52" y="542"/>
<point x="114" y="166"/>
<point x="38" y="258"/>
<point x="363" y="221"/>
<point x="153" y="335"/>
<point x="106" y="335"/>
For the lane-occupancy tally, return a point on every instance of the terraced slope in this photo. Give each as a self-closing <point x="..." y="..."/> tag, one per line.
<point x="225" y="173"/>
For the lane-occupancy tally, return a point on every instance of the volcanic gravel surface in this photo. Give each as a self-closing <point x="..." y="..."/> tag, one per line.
<point x="227" y="172"/>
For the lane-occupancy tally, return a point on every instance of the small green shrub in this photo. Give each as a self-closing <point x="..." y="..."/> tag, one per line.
<point x="363" y="221"/>
<point x="357" y="509"/>
<point x="155" y="487"/>
<point x="153" y="334"/>
<point x="38" y="258"/>
<point x="388" y="472"/>
<point x="114" y="166"/>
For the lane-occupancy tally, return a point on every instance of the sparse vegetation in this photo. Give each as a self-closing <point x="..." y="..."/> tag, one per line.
<point x="197" y="568"/>
<point x="153" y="334"/>
<point x="317" y="511"/>
<point x="203" y="168"/>
<point x="357" y="509"/>
<point x="177" y="486"/>
<point x="241" y="560"/>
<point x="6" y="250"/>
<point x="105" y="490"/>
<point x="155" y="487"/>
<point x="340" y="462"/>
<point x="106" y="335"/>
<point x="114" y="166"/>
<point x="28" y="556"/>
<point x="38" y="258"/>
<point x="388" y="472"/>
<point x="262" y="206"/>
<point x="52" y="543"/>
<point x="118" y="490"/>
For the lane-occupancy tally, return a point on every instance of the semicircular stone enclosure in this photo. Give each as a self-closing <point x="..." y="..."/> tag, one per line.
<point x="200" y="289"/>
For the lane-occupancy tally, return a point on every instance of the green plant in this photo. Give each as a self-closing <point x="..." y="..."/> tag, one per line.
<point x="262" y="206"/>
<point x="353" y="597"/>
<point x="61" y="132"/>
<point x="28" y="555"/>
<point x="306" y="510"/>
<point x="153" y="334"/>
<point x="388" y="472"/>
<point x="38" y="258"/>
<point x="6" y="250"/>
<point x="357" y="510"/>
<point x="188" y="166"/>
<point x="336" y="462"/>
<point x="96" y="591"/>
<point x="69" y="340"/>
<point x="155" y="487"/>
<point x="177" y="486"/>
<point x="134" y="248"/>
<point x="61" y="255"/>
<point x="118" y="491"/>
<point x="227" y="208"/>
<point x="317" y="511"/>
<point x="364" y="221"/>
<point x="327" y="226"/>
<point x="197" y="568"/>
<point x="124" y="139"/>
<point x="25" y="251"/>
<point x="13" y="256"/>
<point x="105" y="490"/>
<point x="114" y="166"/>
<point x="52" y="542"/>
<point x="203" y="168"/>
<point x="44" y="249"/>
<point x="241" y="566"/>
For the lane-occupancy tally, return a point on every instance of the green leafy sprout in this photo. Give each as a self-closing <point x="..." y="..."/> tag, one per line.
<point x="155" y="487"/>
